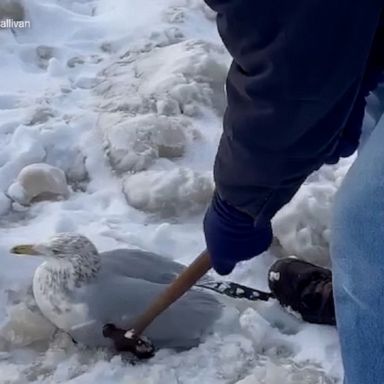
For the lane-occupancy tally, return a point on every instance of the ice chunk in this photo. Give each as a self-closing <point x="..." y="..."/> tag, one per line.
<point x="38" y="181"/>
<point x="39" y="116"/>
<point x="25" y="326"/>
<point x="133" y="144"/>
<point x="169" y="192"/>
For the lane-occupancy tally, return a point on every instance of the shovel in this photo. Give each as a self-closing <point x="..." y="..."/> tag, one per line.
<point x="132" y="340"/>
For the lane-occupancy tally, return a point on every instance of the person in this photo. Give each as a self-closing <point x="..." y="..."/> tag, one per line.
<point x="296" y="93"/>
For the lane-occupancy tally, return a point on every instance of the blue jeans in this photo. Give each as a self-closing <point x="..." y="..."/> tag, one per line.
<point x="357" y="249"/>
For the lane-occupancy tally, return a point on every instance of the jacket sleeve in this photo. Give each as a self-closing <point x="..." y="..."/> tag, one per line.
<point x="296" y="72"/>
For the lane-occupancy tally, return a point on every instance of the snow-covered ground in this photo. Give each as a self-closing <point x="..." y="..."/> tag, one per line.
<point x="126" y="98"/>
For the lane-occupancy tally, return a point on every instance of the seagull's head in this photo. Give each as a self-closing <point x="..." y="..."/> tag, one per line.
<point x="62" y="246"/>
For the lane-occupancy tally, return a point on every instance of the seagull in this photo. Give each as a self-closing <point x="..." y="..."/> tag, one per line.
<point x="80" y="290"/>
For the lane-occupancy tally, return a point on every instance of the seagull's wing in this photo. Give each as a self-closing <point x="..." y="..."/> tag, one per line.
<point x="141" y="265"/>
<point x="119" y="300"/>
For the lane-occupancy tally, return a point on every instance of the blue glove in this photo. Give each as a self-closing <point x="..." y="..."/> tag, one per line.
<point x="233" y="236"/>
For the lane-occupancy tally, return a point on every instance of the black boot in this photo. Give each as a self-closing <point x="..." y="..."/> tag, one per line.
<point x="303" y="288"/>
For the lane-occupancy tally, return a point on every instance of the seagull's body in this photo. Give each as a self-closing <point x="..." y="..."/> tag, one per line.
<point x="80" y="290"/>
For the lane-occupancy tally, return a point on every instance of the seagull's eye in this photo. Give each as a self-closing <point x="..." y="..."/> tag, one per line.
<point x="55" y="251"/>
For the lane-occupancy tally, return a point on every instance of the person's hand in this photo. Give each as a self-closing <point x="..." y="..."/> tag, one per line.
<point x="233" y="236"/>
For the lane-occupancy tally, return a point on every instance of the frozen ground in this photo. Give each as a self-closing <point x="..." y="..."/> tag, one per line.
<point x="126" y="98"/>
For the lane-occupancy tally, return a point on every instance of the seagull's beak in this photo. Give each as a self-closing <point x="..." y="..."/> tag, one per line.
<point x="25" y="249"/>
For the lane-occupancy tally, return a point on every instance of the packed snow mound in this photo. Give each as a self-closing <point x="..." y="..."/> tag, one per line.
<point x="151" y="96"/>
<point x="39" y="182"/>
<point x="195" y="78"/>
<point x="40" y="141"/>
<point x="303" y="226"/>
<point x="63" y="151"/>
<point x="177" y="79"/>
<point x="133" y="143"/>
<point x="169" y="193"/>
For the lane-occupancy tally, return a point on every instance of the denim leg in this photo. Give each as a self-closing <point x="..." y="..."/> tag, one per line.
<point x="357" y="248"/>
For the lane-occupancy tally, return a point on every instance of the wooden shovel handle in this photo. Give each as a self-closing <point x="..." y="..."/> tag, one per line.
<point x="177" y="289"/>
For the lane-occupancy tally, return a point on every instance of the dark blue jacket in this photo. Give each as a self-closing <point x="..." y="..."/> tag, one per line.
<point x="295" y="87"/>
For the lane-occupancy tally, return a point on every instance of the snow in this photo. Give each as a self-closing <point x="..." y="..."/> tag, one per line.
<point x="306" y="235"/>
<point x="129" y="334"/>
<point x="124" y="100"/>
